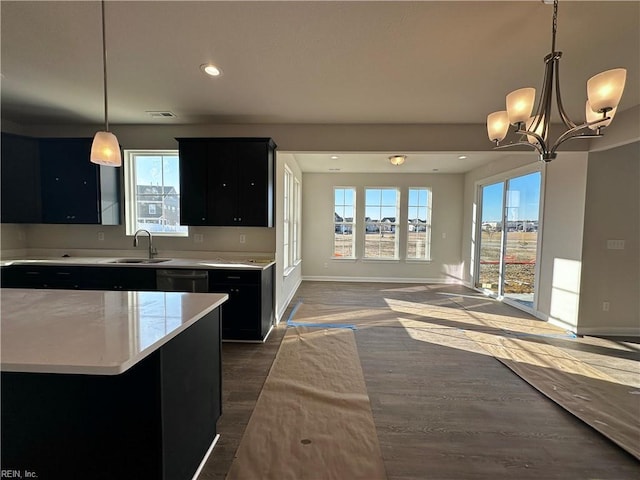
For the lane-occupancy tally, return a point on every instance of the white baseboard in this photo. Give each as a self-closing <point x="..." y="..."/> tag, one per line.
<point x="450" y="281"/>
<point x="206" y="457"/>
<point x="283" y="307"/>
<point x="609" y="331"/>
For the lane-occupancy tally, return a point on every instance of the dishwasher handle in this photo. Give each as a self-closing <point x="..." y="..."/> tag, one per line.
<point x="178" y="274"/>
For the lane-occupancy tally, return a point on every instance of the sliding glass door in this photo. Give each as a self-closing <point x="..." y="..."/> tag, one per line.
<point x="509" y="237"/>
<point x="489" y="272"/>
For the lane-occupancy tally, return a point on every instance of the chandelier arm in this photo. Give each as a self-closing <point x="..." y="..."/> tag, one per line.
<point x="515" y="144"/>
<point x="563" y="114"/>
<point x="572" y="133"/>
<point x="541" y="141"/>
<point x="544" y="101"/>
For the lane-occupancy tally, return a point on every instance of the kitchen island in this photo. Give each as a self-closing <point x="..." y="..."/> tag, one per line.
<point x="108" y="384"/>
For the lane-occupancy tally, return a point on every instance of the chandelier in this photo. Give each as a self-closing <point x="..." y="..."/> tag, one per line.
<point x="604" y="91"/>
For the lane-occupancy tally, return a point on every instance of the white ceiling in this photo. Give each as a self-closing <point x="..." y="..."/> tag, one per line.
<point x="333" y="62"/>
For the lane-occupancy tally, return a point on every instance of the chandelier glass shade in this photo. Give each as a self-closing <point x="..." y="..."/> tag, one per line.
<point x="105" y="149"/>
<point x="604" y="92"/>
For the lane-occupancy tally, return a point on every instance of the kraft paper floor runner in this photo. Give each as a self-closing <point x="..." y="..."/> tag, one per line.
<point x="313" y="419"/>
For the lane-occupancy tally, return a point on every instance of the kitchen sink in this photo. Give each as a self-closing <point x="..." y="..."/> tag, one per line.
<point x="140" y="260"/>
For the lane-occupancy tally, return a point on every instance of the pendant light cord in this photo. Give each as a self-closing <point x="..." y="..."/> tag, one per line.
<point x="104" y="70"/>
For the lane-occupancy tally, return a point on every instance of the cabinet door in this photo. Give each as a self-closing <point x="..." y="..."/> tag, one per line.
<point x="193" y="183"/>
<point x="241" y="313"/>
<point x="224" y="164"/>
<point x="255" y="185"/>
<point x="20" y="180"/>
<point x="70" y="185"/>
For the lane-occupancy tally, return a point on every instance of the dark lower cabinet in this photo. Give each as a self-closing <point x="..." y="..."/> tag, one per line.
<point x="78" y="277"/>
<point x="248" y="314"/>
<point x="155" y="421"/>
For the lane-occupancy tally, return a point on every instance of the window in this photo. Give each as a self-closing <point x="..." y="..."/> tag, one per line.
<point x="152" y="190"/>
<point x="419" y="224"/>
<point x="297" y="220"/>
<point x="286" y="252"/>
<point x="381" y="223"/>
<point x="344" y="222"/>
<point x="291" y="220"/>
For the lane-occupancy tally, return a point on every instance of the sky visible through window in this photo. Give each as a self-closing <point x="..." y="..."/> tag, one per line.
<point x="523" y="191"/>
<point x="158" y="170"/>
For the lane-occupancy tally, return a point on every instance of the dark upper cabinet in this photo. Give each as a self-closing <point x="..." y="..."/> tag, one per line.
<point x="20" y="176"/>
<point x="74" y="190"/>
<point x="227" y="181"/>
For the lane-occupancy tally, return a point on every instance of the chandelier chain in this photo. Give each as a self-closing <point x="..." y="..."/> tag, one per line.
<point x="554" y="26"/>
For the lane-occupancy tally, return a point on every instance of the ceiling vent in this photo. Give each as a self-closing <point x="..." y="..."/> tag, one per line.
<point x="163" y="114"/>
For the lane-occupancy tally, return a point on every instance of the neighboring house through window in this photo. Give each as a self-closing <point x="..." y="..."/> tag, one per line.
<point x="152" y="190"/>
<point x="381" y="223"/>
<point x="344" y="222"/>
<point x="419" y="224"/>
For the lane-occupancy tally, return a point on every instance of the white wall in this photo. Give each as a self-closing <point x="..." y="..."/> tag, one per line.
<point x="318" y="229"/>
<point x="561" y="235"/>
<point x="612" y="212"/>
<point x="285" y="286"/>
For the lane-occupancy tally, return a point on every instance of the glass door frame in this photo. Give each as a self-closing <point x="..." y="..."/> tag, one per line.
<point x="504" y="178"/>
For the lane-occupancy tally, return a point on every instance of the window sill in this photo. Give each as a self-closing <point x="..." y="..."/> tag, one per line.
<point x="288" y="271"/>
<point x="382" y="260"/>
<point x="418" y="260"/>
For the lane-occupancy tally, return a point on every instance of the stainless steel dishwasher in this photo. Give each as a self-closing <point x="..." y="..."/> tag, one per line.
<point x="182" y="280"/>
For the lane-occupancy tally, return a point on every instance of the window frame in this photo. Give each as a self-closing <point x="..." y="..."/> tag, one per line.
<point x="286" y="219"/>
<point x="428" y="227"/>
<point x="131" y="190"/>
<point x="372" y="225"/>
<point x="342" y="225"/>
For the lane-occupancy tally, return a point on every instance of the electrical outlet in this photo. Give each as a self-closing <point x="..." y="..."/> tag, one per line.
<point x="243" y="238"/>
<point x="605" y="306"/>
<point x="101" y="236"/>
<point x="198" y="237"/>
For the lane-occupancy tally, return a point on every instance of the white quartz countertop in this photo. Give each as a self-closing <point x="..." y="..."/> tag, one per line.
<point x="142" y="262"/>
<point x="92" y="332"/>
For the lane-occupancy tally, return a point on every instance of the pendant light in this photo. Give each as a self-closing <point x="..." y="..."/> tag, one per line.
<point x="603" y="92"/>
<point x="105" y="149"/>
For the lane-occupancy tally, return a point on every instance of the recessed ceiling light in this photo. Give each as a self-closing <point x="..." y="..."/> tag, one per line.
<point x="435" y="170"/>
<point x="334" y="157"/>
<point x="462" y="157"/>
<point x="211" y="69"/>
<point x="334" y="169"/>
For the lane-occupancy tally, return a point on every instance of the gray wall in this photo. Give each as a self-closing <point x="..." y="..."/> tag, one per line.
<point x="612" y="212"/>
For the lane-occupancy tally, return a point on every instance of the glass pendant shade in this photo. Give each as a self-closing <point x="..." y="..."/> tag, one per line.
<point x="531" y="122"/>
<point x="520" y="104"/>
<point x="592" y="116"/>
<point x="105" y="150"/>
<point x="604" y="90"/>
<point x="497" y="125"/>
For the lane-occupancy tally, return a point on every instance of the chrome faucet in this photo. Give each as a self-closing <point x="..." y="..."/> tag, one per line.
<point x="152" y="249"/>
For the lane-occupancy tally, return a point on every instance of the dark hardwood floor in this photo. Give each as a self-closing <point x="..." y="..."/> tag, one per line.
<point x="443" y="407"/>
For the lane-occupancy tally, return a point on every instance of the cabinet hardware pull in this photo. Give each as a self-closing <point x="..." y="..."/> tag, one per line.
<point x="232" y="277"/>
